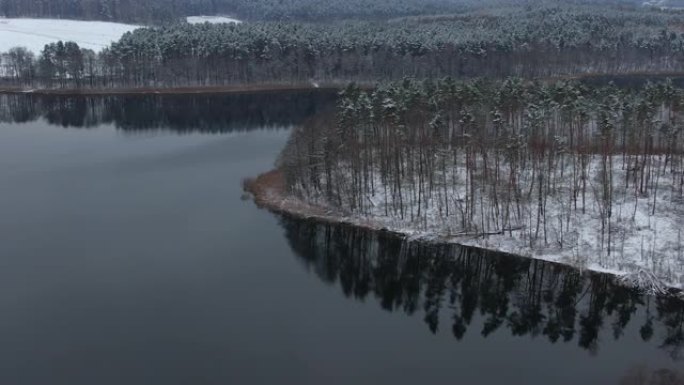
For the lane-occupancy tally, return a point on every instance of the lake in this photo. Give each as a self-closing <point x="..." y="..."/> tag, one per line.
<point x="127" y="256"/>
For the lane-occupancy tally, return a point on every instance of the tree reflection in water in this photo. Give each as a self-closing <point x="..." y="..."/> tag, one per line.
<point x="207" y="113"/>
<point x="520" y="296"/>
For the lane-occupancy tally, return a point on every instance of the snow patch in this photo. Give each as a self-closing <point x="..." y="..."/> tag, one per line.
<point x="212" y="20"/>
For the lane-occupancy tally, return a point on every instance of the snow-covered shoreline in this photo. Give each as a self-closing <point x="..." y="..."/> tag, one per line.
<point x="269" y="192"/>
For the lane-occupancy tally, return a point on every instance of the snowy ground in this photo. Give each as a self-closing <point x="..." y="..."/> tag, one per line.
<point x="34" y="34"/>
<point x="645" y="241"/>
<point x="211" y="19"/>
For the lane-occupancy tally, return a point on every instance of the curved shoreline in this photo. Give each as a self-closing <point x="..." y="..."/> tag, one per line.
<point x="269" y="192"/>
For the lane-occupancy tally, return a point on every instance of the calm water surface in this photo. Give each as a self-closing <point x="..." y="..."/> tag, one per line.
<point x="128" y="257"/>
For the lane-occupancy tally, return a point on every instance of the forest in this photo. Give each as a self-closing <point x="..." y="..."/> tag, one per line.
<point x="592" y="176"/>
<point x="164" y="11"/>
<point x="547" y="41"/>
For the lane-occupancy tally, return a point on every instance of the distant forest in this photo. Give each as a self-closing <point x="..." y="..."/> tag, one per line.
<point x="154" y="11"/>
<point x="161" y="10"/>
<point x="539" y="42"/>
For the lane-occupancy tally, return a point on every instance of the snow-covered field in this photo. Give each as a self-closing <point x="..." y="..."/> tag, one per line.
<point x="211" y="19"/>
<point x="34" y="34"/>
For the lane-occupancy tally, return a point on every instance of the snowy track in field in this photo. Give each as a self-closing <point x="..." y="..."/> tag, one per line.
<point x="34" y="34"/>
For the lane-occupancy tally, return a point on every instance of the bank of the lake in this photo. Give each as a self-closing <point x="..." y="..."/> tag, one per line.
<point x="624" y="79"/>
<point x="182" y="90"/>
<point x="269" y="191"/>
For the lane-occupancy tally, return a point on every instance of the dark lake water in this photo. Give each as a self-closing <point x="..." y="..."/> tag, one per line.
<point x="128" y="257"/>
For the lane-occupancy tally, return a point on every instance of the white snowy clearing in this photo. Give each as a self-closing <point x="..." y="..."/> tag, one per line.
<point x="34" y="34"/>
<point x="212" y="20"/>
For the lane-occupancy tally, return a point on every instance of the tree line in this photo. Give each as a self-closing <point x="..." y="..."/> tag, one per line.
<point x="546" y="41"/>
<point x="154" y="11"/>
